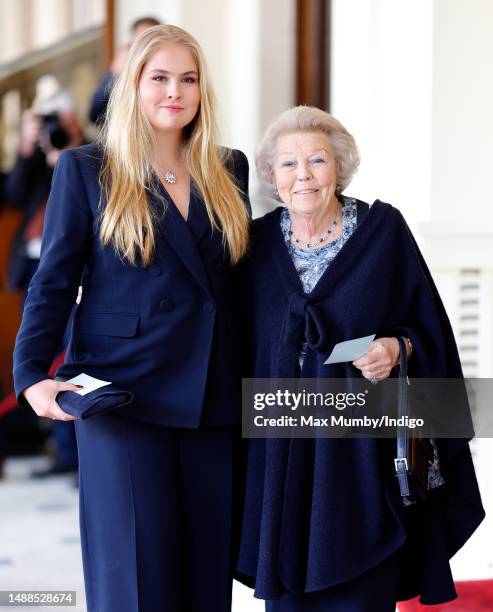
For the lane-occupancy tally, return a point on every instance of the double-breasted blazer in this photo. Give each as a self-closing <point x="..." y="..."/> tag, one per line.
<point x="166" y="332"/>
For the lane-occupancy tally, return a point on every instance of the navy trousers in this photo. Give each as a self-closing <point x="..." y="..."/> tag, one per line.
<point x="373" y="591"/>
<point x="155" y="516"/>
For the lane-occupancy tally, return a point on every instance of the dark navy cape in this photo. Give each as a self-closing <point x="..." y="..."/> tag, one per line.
<point x="320" y="512"/>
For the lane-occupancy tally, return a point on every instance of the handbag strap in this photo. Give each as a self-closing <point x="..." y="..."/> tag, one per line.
<point x="401" y="460"/>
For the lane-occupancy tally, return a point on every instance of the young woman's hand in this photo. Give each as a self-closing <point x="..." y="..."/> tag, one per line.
<point x="381" y="357"/>
<point x="42" y="396"/>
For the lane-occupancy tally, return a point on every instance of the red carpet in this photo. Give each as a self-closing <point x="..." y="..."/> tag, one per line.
<point x="8" y="404"/>
<point x="473" y="596"/>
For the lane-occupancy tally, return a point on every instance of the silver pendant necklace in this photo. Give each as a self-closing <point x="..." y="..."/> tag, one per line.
<point x="170" y="176"/>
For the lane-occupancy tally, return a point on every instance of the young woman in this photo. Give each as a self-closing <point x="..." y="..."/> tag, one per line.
<point x="150" y="222"/>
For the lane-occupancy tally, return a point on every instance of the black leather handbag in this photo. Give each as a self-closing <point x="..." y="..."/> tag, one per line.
<point x="414" y="454"/>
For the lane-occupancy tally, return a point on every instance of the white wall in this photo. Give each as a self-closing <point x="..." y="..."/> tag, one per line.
<point x="462" y="109"/>
<point x="382" y="92"/>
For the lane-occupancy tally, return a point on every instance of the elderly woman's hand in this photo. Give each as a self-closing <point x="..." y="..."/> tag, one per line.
<point x="381" y="357"/>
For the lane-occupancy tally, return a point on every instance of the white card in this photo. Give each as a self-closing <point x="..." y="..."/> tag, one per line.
<point x="88" y="382"/>
<point x="350" y="350"/>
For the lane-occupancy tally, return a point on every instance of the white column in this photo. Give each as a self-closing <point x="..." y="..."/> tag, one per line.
<point x="381" y="91"/>
<point x="462" y="102"/>
<point x="52" y="20"/>
<point x="14" y="29"/>
<point x="11" y="119"/>
<point x="275" y="67"/>
<point x="88" y="13"/>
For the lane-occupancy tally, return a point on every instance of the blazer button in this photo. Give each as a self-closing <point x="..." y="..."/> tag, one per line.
<point x="208" y="307"/>
<point x="154" y="270"/>
<point x="166" y="305"/>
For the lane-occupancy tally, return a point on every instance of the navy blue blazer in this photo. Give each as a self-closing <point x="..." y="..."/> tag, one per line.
<point x="167" y="332"/>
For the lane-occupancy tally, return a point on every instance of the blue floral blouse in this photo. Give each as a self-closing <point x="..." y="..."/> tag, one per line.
<point x="310" y="265"/>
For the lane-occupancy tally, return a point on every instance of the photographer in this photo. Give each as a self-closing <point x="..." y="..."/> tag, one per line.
<point x="46" y="130"/>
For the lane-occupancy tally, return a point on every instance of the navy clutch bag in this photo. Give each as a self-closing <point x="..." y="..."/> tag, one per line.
<point x="95" y="402"/>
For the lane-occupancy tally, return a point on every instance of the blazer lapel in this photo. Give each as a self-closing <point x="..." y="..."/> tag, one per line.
<point x="179" y="236"/>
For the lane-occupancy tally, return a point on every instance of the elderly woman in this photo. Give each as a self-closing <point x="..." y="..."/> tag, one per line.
<point x="324" y="525"/>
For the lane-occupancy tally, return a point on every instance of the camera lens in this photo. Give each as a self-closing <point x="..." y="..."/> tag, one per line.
<point x="57" y="135"/>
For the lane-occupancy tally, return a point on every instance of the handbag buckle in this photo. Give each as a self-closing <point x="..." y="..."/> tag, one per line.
<point x="399" y="462"/>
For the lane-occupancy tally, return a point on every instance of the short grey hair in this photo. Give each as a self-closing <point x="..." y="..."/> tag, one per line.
<point x="307" y="119"/>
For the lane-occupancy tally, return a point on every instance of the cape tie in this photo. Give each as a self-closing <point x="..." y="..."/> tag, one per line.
<point x="305" y="316"/>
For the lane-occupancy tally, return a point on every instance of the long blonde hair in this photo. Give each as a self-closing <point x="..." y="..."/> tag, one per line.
<point x="127" y="176"/>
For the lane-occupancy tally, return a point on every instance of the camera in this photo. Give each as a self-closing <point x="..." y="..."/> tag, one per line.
<point x="52" y="127"/>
